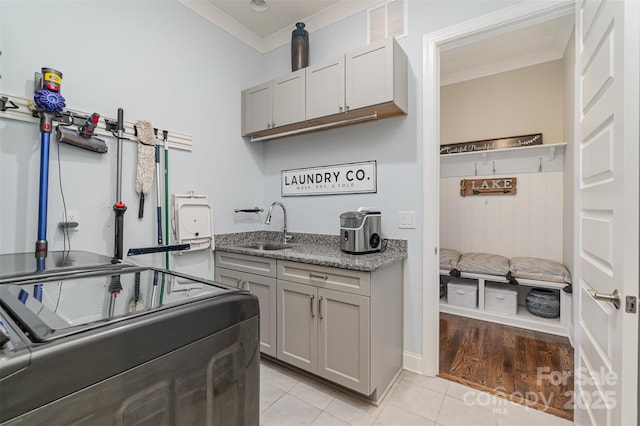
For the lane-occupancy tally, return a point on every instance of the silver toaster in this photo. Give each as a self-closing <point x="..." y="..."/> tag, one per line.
<point x="360" y="231"/>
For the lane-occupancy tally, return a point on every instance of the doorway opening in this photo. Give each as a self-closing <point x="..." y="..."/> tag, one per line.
<point x="457" y="105"/>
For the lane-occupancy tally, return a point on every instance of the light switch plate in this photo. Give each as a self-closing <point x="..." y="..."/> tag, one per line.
<point x="407" y="219"/>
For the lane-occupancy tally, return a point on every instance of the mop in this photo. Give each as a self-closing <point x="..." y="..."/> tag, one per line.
<point x="136" y="303"/>
<point x="146" y="153"/>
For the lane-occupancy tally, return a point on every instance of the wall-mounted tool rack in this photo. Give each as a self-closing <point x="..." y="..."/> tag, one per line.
<point x="17" y="108"/>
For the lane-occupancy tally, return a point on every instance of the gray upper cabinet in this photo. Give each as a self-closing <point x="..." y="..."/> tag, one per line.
<point x="376" y="74"/>
<point x="289" y="99"/>
<point x="370" y="80"/>
<point x="325" y="88"/>
<point x="257" y="108"/>
<point x="276" y="103"/>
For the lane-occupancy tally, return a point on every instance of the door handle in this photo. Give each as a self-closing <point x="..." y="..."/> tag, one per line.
<point x="613" y="297"/>
<point x="313" y="314"/>
<point x="320" y="307"/>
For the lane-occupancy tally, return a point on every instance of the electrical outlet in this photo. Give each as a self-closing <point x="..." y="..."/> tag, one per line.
<point x="73" y="220"/>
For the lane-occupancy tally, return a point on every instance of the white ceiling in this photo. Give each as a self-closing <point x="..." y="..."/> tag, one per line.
<point x="264" y="31"/>
<point x="530" y="45"/>
<point x="281" y="14"/>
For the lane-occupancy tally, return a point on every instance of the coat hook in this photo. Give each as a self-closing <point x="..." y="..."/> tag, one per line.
<point x="540" y="165"/>
<point x="3" y="104"/>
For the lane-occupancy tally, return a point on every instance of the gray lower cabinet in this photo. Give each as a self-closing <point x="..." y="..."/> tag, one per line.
<point x="342" y="325"/>
<point x="325" y="332"/>
<point x="263" y="286"/>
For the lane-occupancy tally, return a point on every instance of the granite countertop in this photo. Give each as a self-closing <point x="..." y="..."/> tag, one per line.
<point x="316" y="249"/>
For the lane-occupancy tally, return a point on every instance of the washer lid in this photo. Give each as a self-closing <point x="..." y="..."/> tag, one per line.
<point x="16" y="266"/>
<point x="95" y="299"/>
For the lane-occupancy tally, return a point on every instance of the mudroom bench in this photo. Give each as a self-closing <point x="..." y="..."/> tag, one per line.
<point x="494" y="288"/>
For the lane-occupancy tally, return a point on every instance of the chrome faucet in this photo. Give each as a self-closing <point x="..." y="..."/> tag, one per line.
<point x="286" y="237"/>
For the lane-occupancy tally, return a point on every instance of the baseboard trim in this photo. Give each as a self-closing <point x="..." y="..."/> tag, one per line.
<point x="412" y="362"/>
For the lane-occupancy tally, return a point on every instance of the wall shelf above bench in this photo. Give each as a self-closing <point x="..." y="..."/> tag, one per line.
<point x="529" y="159"/>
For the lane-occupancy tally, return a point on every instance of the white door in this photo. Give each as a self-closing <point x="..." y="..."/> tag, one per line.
<point x="606" y="211"/>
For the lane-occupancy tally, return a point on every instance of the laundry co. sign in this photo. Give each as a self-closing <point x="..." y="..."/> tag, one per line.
<point x="338" y="179"/>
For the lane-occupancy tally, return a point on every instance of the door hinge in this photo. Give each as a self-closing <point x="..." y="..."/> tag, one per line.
<point x="630" y="304"/>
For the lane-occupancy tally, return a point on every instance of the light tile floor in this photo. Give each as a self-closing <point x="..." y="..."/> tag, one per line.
<point x="290" y="398"/>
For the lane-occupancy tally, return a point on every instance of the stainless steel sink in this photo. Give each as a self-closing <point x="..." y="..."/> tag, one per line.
<point x="266" y="246"/>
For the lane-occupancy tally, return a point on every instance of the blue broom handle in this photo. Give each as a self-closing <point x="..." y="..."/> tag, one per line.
<point x="44" y="186"/>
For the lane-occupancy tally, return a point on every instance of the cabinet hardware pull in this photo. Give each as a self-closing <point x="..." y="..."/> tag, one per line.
<point x="313" y="314"/>
<point x="318" y="277"/>
<point x="320" y="307"/>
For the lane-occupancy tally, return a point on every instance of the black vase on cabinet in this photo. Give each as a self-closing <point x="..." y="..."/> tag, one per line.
<point x="299" y="47"/>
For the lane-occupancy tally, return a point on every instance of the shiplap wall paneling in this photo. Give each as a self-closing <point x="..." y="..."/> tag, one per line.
<point x="526" y="224"/>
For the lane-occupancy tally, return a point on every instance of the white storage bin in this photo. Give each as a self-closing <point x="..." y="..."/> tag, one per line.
<point x="463" y="293"/>
<point x="500" y="298"/>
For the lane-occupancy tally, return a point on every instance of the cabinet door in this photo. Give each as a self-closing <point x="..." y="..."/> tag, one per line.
<point x="297" y="325"/>
<point x="265" y="290"/>
<point x="344" y="339"/>
<point x="369" y="75"/>
<point x="288" y="99"/>
<point x="325" y="88"/>
<point x="257" y="108"/>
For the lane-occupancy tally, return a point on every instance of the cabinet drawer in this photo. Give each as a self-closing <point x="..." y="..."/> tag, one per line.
<point x="356" y="282"/>
<point x="245" y="263"/>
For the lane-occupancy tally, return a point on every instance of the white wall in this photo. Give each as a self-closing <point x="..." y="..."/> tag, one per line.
<point x="519" y="102"/>
<point x="161" y="62"/>
<point x="528" y="223"/>
<point x="569" y="84"/>
<point x="395" y="143"/>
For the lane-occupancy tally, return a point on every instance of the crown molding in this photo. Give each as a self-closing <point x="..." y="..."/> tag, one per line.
<point x="314" y="22"/>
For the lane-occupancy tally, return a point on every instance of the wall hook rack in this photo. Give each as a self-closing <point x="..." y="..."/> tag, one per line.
<point x="19" y="110"/>
<point x="3" y="104"/>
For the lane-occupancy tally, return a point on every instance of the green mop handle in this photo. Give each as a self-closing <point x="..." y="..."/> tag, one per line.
<point x="166" y="193"/>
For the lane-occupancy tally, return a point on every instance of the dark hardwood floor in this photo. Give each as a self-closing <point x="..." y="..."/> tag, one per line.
<point x="527" y="367"/>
